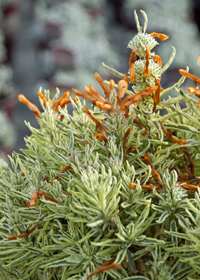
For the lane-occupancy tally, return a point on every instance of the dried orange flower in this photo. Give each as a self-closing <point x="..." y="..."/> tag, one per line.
<point x="168" y="134"/>
<point x="153" y="171"/>
<point x="25" y="234"/>
<point x="124" y="142"/>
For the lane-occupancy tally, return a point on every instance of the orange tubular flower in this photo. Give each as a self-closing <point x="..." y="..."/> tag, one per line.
<point x="95" y="93"/>
<point x="60" y="100"/>
<point x="148" y="90"/>
<point x="97" y="122"/>
<point x="103" y="86"/>
<point x="101" y="137"/>
<point x="130" y="149"/>
<point x="153" y="171"/>
<point x="63" y="102"/>
<point x="192" y="166"/>
<point x="151" y="181"/>
<point x="129" y="100"/>
<point x="105" y="266"/>
<point x="122" y="88"/>
<point x="105" y="107"/>
<point x="190" y="76"/>
<point x="189" y="187"/>
<point x="186" y="170"/>
<point x="160" y="36"/>
<point x="144" y="187"/>
<point x="168" y="134"/>
<point x="136" y="96"/>
<point x="48" y="197"/>
<point x="63" y="170"/>
<point x="157" y="59"/>
<point x="26" y="233"/>
<point x="140" y="126"/>
<point x="84" y="95"/>
<point x="126" y="78"/>
<point x="30" y="105"/>
<point x="156" y="96"/>
<point x="111" y="85"/>
<point x="146" y="73"/>
<point x="35" y="196"/>
<point x="41" y="95"/>
<point x="132" y="59"/>
<point x="124" y="142"/>
<point x="196" y="92"/>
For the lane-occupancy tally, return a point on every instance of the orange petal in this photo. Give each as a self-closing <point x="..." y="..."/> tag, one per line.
<point x="104" y="107"/>
<point x="84" y="95"/>
<point x="194" y="91"/>
<point x="156" y="96"/>
<point x="157" y="59"/>
<point x="30" y="105"/>
<point x="48" y="197"/>
<point x="147" y="91"/>
<point x="103" y="86"/>
<point x="190" y="76"/>
<point x="59" y="101"/>
<point x="95" y="93"/>
<point x="34" y="199"/>
<point x="168" y="134"/>
<point x="97" y="122"/>
<point x="111" y="85"/>
<point x="160" y="36"/>
<point x="126" y="78"/>
<point x="63" y="170"/>
<point x="41" y="95"/>
<point x="63" y="102"/>
<point x="129" y="100"/>
<point x="101" y="137"/>
<point x="104" y="268"/>
<point x="122" y="87"/>
<point x="132" y="59"/>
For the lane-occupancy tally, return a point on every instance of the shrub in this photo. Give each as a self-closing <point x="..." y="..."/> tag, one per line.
<point x="111" y="192"/>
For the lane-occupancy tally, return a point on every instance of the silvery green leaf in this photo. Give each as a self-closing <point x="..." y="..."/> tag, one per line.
<point x="163" y="217"/>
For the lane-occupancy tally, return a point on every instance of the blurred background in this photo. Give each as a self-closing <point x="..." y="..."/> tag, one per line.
<point x="55" y="43"/>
